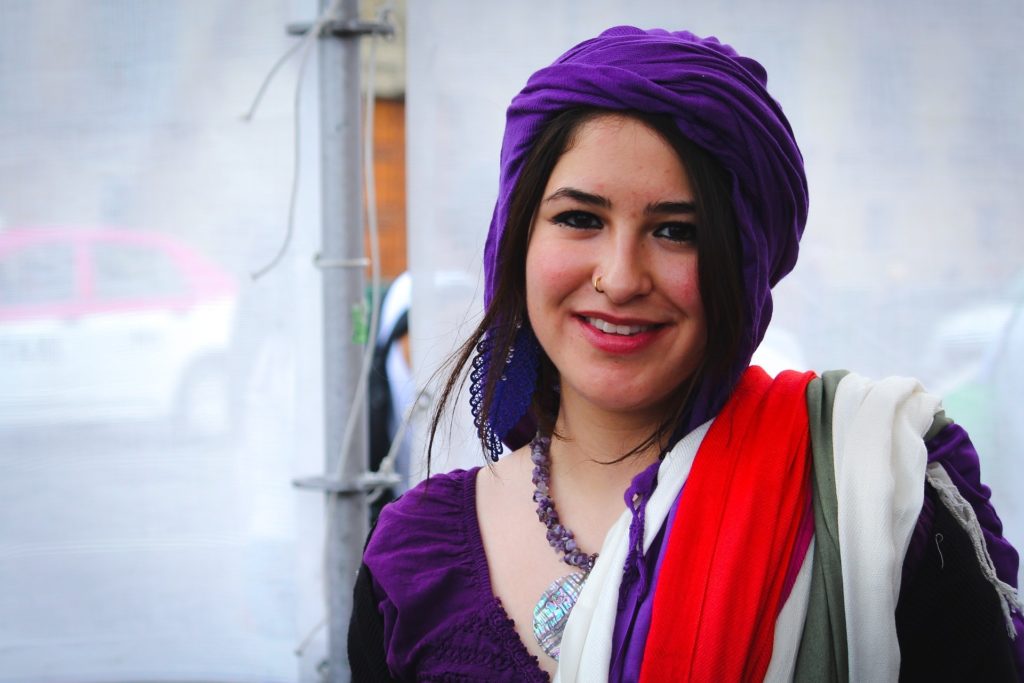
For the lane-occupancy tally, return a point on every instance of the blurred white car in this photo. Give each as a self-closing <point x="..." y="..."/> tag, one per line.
<point x="106" y="325"/>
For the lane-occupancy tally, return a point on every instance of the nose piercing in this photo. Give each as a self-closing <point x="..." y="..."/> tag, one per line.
<point x="597" y="285"/>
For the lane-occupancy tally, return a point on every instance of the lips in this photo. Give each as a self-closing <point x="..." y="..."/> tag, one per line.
<point x="612" y="328"/>
<point x="618" y="336"/>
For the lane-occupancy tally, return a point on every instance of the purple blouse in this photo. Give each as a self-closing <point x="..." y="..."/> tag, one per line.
<point x="443" y="622"/>
<point x="441" y="618"/>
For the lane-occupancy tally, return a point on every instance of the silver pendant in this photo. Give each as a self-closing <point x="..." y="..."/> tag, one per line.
<point x="552" y="611"/>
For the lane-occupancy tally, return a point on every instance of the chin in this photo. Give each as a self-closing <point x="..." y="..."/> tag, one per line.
<point x="625" y="404"/>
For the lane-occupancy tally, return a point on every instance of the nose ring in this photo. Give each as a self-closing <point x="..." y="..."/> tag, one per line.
<point x="597" y="285"/>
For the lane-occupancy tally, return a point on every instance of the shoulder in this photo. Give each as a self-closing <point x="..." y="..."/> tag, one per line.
<point x="425" y="559"/>
<point x="435" y="519"/>
<point x="844" y="405"/>
<point x="847" y="410"/>
<point x="426" y="555"/>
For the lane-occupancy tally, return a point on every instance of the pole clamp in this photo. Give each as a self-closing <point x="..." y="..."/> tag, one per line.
<point x="324" y="263"/>
<point x="349" y="28"/>
<point x="364" y="483"/>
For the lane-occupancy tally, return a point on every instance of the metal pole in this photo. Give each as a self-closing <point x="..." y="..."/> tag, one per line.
<point x="343" y="288"/>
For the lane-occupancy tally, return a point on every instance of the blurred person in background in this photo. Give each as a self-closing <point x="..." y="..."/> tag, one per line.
<point x="392" y="387"/>
<point x="668" y="511"/>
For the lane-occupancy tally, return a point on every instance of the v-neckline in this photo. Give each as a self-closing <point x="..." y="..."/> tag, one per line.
<point x="482" y="574"/>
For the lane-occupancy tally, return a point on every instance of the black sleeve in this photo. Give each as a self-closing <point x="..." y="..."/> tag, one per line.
<point x="949" y="621"/>
<point x="366" y="655"/>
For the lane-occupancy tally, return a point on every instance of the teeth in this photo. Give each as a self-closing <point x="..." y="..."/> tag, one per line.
<point x="609" y="328"/>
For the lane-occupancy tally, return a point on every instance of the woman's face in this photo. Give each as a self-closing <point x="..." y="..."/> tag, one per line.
<point x="618" y="206"/>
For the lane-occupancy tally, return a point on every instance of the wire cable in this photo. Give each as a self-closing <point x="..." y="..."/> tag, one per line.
<point x="387" y="464"/>
<point x="306" y="44"/>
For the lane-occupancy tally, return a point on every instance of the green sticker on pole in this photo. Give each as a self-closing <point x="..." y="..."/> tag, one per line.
<point x="360" y="323"/>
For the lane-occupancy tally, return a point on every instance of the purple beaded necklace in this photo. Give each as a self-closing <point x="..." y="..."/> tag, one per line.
<point x="560" y="538"/>
<point x="551" y="613"/>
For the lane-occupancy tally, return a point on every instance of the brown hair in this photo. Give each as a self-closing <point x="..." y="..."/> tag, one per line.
<point x="719" y="276"/>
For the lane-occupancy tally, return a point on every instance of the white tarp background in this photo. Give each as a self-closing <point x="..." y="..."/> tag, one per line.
<point x="155" y="401"/>
<point x="908" y="115"/>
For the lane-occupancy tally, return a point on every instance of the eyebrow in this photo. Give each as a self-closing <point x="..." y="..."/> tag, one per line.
<point x="658" y="208"/>
<point x="580" y="196"/>
<point x="654" y="208"/>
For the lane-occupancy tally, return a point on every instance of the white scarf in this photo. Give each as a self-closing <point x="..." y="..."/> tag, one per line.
<point x="880" y="458"/>
<point x="586" y="648"/>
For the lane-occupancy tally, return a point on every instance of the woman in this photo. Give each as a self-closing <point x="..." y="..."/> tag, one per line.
<point x="666" y="512"/>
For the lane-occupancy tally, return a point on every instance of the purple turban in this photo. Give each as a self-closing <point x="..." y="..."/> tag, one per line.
<point x="718" y="100"/>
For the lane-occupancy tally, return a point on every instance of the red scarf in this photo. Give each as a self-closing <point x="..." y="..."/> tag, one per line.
<point x="722" y="578"/>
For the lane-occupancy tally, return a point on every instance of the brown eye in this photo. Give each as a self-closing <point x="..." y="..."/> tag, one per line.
<point x="677" y="232"/>
<point x="581" y="220"/>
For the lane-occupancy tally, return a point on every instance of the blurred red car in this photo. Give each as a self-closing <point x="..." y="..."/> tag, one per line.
<point x="106" y="325"/>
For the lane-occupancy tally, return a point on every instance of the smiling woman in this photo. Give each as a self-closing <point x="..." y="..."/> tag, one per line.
<point x="611" y="274"/>
<point x="712" y="523"/>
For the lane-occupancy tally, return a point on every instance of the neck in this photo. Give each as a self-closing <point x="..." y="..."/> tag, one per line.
<point x="590" y="452"/>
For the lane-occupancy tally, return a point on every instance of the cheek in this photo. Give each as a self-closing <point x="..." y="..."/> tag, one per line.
<point x="536" y="276"/>
<point x="683" y="283"/>
<point x="548" y="275"/>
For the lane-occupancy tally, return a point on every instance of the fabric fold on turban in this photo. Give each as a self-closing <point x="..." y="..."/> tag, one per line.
<point x="718" y="99"/>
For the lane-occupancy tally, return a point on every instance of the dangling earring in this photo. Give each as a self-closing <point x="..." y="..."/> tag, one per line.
<point x="513" y="392"/>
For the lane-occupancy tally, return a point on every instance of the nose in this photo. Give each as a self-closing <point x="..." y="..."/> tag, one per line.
<point x="624" y="270"/>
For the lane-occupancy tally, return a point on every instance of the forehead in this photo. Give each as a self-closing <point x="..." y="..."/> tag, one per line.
<point x="619" y="152"/>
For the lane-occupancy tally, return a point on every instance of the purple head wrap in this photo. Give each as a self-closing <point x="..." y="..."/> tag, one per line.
<point x="718" y="100"/>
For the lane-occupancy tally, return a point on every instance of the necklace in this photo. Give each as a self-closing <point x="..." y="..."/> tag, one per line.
<point x="552" y="610"/>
